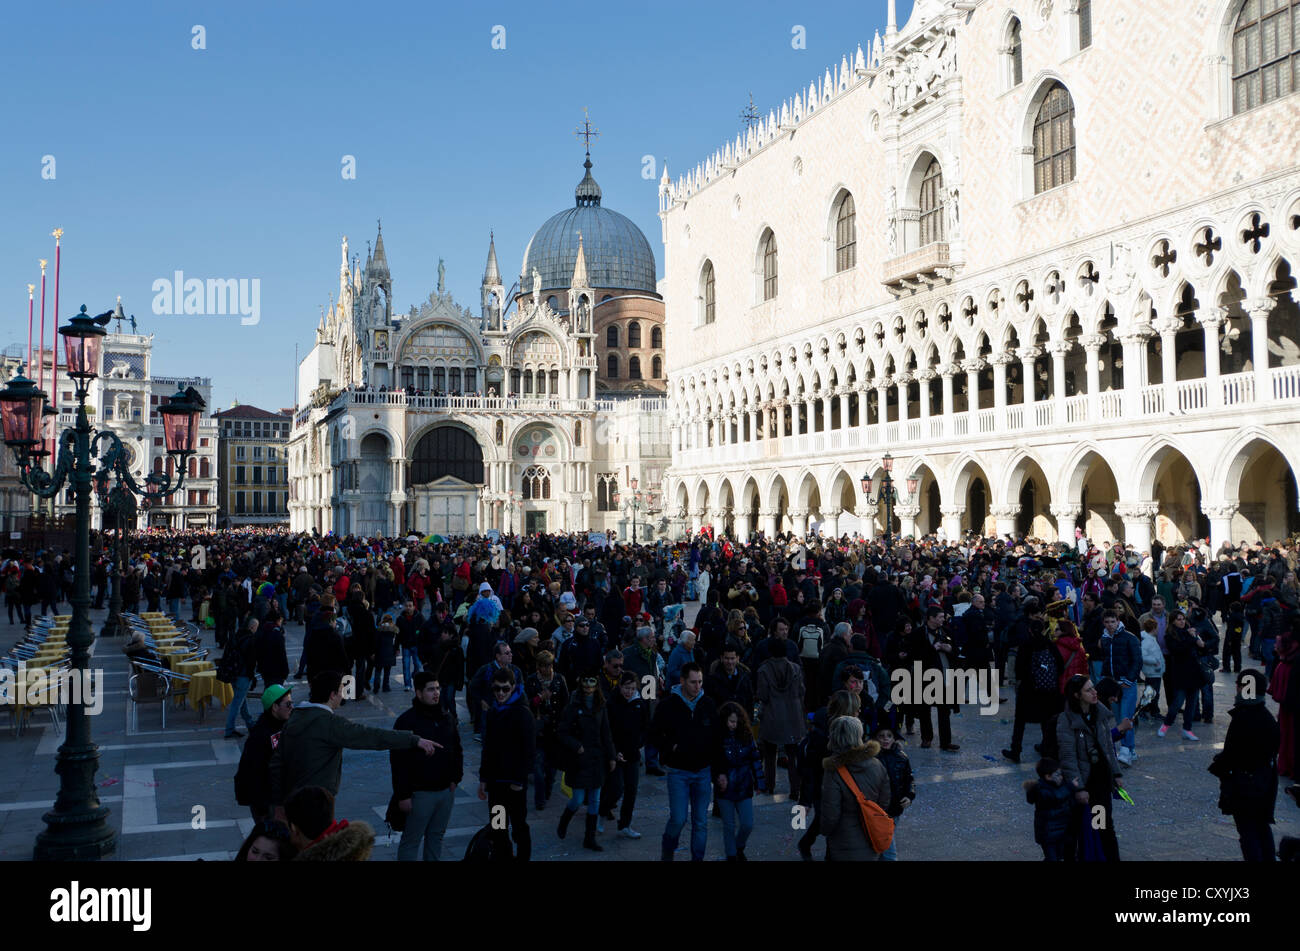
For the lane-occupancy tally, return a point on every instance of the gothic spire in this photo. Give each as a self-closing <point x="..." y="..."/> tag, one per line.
<point x="579" y="267"/>
<point x="379" y="262"/>
<point x="491" y="274"/>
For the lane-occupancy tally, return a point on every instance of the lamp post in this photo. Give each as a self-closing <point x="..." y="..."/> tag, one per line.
<point x="120" y="505"/>
<point x="633" y="504"/>
<point x="77" y="827"/>
<point x="887" y="495"/>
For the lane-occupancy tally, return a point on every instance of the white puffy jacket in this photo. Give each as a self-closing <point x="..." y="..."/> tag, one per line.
<point x="1153" y="662"/>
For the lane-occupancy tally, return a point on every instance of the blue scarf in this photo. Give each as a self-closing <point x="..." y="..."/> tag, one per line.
<point x="689" y="703"/>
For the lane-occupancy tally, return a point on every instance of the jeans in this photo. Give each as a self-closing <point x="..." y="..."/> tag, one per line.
<point x="734" y="837"/>
<point x="651" y="757"/>
<point x="1094" y="668"/>
<point x="516" y="813"/>
<point x="769" y="767"/>
<point x="1128" y="701"/>
<point x="381" y="673"/>
<point x="427" y="821"/>
<point x="409" y="658"/>
<point x="927" y="729"/>
<point x="622" y="782"/>
<point x="174" y="607"/>
<point x="449" y="703"/>
<point x="543" y="777"/>
<point x="1186" y="699"/>
<point x="239" y="704"/>
<point x="589" y="796"/>
<point x="891" y="854"/>
<point x="1054" y="851"/>
<point x="1268" y="655"/>
<point x="691" y="790"/>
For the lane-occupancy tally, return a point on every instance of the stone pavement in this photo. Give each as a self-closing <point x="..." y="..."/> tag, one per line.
<point x="969" y="806"/>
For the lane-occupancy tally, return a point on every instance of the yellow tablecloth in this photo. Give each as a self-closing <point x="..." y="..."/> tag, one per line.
<point x="204" y="685"/>
<point x="173" y="658"/>
<point x="192" y="667"/>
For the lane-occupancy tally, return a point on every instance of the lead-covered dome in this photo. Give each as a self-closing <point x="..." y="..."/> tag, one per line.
<point x="617" y="253"/>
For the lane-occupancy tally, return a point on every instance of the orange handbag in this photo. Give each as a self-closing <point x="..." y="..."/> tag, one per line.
<point x="879" y="827"/>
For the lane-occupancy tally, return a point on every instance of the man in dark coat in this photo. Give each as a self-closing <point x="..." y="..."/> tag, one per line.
<point x="425" y="786"/>
<point x="322" y="647"/>
<point x="509" y="750"/>
<point x="833" y="653"/>
<point x="272" y="659"/>
<point x="253" y="777"/>
<point x="1038" y="675"/>
<point x="684" y="730"/>
<point x="1247" y="769"/>
<point x="730" y="681"/>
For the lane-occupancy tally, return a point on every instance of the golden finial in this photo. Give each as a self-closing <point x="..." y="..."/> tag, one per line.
<point x="58" y="233"/>
<point x="30" y="289"/>
<point x="43" y="263"/>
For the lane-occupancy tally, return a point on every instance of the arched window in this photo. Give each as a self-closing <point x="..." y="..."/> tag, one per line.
<point x="453" y="380"/>
<point x="709" y="292"/>
<point x="516" y="382"/>
<point x="932" y="204"/>
<point x="656" y="337"/>
<point x="1054" y="140"/>
<point x="439" y="379"/>
<point x="528" y="383"/>
<point x="657" y="368"/>
<point x="205" y="468"/>
<point x="769" y="266"/>
<point x="846" y="235"/>
<point x="194" y="467"/>
<point x="633" y="335"/>
<point x="634" y="368"/>
<point x="612" y="371"/>
<point x="611" y="335"/>
<point x="1265" y="52"/>
<point x="158" y="464"/>
<point x="422" y="378"/>
<point x="606" y="489"/>
<point x="408" y="377"/>
<point x="1016" y="54"/>
<point x="1085" y="24"/>
<point x="536" y="483"/>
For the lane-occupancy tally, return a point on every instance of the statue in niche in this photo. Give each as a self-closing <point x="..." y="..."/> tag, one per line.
<point x="891" y="224"/>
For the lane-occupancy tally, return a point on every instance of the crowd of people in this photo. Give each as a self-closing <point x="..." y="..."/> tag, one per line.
<point x="576" y="666"/>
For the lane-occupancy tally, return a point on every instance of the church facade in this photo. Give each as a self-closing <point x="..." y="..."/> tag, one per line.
<point x="1039" y="253"/>
<point x="528" y="416"/>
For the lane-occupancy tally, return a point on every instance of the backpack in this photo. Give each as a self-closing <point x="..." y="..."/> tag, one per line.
<point x="875" y="821"/>
<point x="1043" y="668"/>
<point x="481" y="849"/>
<point x="810" y="641"/>
<point x="231" y="664"/>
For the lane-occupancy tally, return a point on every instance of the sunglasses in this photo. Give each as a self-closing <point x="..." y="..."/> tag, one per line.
<point x="502" y="688"/>
<point x="589" y="681"/>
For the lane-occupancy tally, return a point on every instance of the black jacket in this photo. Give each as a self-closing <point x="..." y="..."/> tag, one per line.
<point x="408" y="629"/>
<point x="901" y="783"/>
<point x="448" y="663"/>
<point x="1247" y="767"/>
<point x="738" y="688"/>
<point x="685" y="737"/>
<point x="1052" y="808"/>
<point x="324" y="648"/>
<point x="509" y="741"/>
<point x="587" y="729"/>
<point x="253" y="777"/>
<point x="629" y="723"/>
<point x="415" y="772"/>
<point x="272" y="660"/>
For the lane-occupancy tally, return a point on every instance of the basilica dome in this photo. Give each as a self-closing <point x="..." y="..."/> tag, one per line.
<point x="618" y="255"/>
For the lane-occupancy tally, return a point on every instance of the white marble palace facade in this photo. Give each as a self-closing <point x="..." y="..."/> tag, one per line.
<point x="1042" y="252"/>
<point x="444" y="421"/>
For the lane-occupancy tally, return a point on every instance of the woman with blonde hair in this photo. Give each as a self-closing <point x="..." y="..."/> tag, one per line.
<point x="841" y="817"/>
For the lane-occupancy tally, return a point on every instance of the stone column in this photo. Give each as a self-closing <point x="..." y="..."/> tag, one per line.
<point x="924" y="378"/>
<point x="1212" y="319"/>
<point x="1005" y="518"/>
<point x="972" y="368"/>
<point x="844" y="407"/>
<point x="1220" y="517"/>
<point x="717" y="519"/>
<point x="697" y="520"/>
<point x="1168" y="329"/>
<point x="1000" y="362"/>
<point x="1066" y="516"/>
<point x="948" y="370"/>
<point x="1092" y="344"/>
<point x="1137" y="518"/>
<point x="799" y="522"/>
<point x="907" y="513"/>
<point x="1029" y="382"/>
<point x="866" y="520"/>
<point x="1259" y="309"/>
<point x="831" y="526"/>
<point x="1058" y="349"/>
<point x="951" y="524"/>
<point x="742" y="527"/>
<point x="1135" y="371"/>
<point x="882" y="404"/>
<point x="769" y="523"/>
<point x="901" y="382"/>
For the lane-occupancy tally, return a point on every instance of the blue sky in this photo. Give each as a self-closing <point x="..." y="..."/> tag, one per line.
<point x="226" y="162"/>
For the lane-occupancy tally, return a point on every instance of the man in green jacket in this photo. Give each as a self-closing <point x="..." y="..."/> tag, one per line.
<point x="310" y="751"/>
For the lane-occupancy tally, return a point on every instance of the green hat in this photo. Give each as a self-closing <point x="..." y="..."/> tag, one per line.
<point x="272" y="694"/>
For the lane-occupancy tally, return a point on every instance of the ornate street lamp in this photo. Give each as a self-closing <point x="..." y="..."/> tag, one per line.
<point x="887" y="496"/>
<point x="77" y="827"/>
